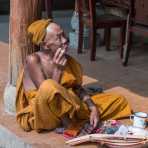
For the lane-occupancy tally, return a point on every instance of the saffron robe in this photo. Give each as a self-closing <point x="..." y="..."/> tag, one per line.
<point x="43" y="108"/>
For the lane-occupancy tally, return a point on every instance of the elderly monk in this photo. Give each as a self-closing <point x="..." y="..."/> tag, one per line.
<point x="49" y="90"/>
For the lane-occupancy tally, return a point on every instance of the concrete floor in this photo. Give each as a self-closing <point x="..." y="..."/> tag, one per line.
<point x="107" y="69"/>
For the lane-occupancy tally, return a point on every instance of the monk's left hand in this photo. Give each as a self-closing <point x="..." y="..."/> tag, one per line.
<point x="94" y="116"/>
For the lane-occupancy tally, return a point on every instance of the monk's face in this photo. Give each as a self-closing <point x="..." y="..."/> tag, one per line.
<point x="55" y="38"/>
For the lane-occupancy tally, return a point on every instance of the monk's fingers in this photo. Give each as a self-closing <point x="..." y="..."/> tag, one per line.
<point x="60" y="56"/>
<point x="56" y="55"/>
<point x="95" y="122"/>
<point x="91" y="120"/>
<point x="63" y="61"/>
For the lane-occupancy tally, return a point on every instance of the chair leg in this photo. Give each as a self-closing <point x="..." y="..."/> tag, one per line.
<point x="104" y="38"/>
<point x="122" y="39"/>
<point x="80" y="34"/>
<point x="92" y="43"/>
<point x="127" y="50"/>
<point x="48" y="7"/>
<point x="108" y="38"/>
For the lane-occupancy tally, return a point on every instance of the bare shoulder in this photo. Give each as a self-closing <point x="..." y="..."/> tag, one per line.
<point x="32" y="59"/>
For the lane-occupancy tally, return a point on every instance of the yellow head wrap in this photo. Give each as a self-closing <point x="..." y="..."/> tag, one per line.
<point x="38" y="30"/>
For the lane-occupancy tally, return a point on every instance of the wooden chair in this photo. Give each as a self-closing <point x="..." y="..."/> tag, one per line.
<point x="106" y="21"/>
<point x="49" y="4"/>
<point x="137" y="22"/>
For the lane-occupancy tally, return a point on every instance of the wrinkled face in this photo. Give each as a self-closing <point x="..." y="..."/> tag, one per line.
<point x="55" y="38"/>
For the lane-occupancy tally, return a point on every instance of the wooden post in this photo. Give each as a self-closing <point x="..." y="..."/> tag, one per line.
<point x="22" y="13"/>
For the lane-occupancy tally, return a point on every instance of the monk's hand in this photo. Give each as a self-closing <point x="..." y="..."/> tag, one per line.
<point x="94" y="116"/>
<point x="59" y="58"/>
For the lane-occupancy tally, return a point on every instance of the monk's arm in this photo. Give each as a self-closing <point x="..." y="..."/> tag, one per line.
<point x="82" y="93"/>
<point x="59" y="60"/>
<point x="94" y="112"/>
<point x="34" y="69"/>
<point x="57" y="72"/>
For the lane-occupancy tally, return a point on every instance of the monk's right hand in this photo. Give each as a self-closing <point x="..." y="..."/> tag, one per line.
<point x="94" y="116"/>
<point x="59" y="57"/>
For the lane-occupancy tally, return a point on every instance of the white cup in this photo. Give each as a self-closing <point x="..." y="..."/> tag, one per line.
<point x="139" y="119"/>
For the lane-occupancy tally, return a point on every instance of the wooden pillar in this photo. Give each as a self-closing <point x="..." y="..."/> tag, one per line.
<point x="22" y="13"/>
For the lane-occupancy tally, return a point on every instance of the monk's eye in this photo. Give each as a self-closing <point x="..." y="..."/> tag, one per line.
<point x="58" y="38"/>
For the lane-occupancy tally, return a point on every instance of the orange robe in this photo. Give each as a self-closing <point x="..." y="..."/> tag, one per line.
<point x="44" y="108"/>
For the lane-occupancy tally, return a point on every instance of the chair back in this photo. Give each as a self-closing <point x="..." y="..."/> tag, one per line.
<point x="123" y="4"/>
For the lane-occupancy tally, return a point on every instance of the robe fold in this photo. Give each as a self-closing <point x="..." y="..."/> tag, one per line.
<point x="44" y="108"/>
